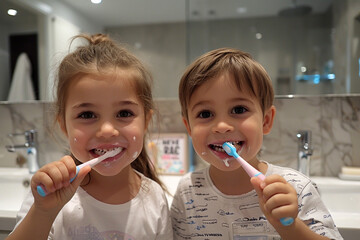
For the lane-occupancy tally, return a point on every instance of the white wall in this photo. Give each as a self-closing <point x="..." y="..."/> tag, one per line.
<point x="61" y="32"/>
<point x="162" y="48"/>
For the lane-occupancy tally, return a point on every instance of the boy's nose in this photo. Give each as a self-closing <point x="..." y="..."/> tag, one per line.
<point x="107" y="129"/>
<point x="222" y="127"/>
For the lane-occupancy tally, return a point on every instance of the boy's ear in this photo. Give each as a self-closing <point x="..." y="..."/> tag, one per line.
<point x="187" y="125"/>
<point x="269" y="120"/>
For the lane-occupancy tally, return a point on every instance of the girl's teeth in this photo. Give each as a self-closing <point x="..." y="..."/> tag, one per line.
<point x="103" y="151"/>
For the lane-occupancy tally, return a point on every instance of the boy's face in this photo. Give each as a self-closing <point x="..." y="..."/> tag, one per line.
<point x="218" y="112"/>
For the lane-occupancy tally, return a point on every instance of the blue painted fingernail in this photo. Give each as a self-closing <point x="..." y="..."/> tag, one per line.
<point x="287" y="221"/>
<point x="41" y="191"/>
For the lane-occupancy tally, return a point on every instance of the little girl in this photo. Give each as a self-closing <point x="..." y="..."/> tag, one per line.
<point x="104" y="102"/>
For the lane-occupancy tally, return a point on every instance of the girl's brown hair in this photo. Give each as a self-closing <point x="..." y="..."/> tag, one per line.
<point x="99" y="56"/>
<point x="248" y="74"/>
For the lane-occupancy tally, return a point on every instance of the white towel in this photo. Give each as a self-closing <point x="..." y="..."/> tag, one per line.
<point x="21" y="86"/>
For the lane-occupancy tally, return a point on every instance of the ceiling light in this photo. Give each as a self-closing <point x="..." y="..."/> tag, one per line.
<point x="258" y="36"/>
<point x="12" y="12"/>
<point x="96" y="1"/>
<point x="241" y="10"/>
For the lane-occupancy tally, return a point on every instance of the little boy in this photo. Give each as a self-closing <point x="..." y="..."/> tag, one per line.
<point x="226" y="96"/>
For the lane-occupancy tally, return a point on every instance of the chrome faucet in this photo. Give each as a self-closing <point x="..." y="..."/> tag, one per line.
<point x="304" y="151"/>
<point x="31" y="148"/>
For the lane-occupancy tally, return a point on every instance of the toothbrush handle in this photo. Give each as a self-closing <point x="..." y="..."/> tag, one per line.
<point x="286" y="221"/>
<point x="41" y="189"/>
<point x="252" y="172"/>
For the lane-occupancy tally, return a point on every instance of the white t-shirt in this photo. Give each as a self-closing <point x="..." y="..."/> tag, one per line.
<point x="146" y="216"/>
<point x="200" y="211"/>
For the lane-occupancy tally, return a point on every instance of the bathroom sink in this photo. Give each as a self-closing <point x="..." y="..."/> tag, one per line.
<point x="342" y="198"/>
<point x="14" y="185"/>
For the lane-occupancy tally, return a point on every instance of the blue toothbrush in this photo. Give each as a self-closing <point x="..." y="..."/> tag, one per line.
<point x="252" y="172"/>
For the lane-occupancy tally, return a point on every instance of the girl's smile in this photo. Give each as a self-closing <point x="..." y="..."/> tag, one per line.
<point x="108" y="161"/>
<point x="103" y="113"/>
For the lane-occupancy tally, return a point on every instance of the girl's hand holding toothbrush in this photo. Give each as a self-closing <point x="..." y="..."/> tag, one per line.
<point x="55" y="178"/>
<point x="277" y="199"/>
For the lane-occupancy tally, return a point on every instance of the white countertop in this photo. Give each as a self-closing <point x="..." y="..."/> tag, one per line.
<point x="342" y="219"/>
<point x="7" y="220"/>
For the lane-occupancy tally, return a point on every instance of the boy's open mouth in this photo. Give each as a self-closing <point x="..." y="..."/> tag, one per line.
<point x="219" y="148"/>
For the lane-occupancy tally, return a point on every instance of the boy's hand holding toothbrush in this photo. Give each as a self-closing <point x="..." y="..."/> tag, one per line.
<point x="55" y="178"/>
<point x="278" y="200"/>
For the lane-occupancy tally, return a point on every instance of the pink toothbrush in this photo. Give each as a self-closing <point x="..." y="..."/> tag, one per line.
<point x="252" y="172"/>
<point x="91" y="163"/>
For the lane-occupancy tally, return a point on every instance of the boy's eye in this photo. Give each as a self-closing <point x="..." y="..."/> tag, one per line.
<point x="204" y="114"/>
<point x="125" y="114"/>
<point x="238" y="110"/>
<point x="86" y="115"/>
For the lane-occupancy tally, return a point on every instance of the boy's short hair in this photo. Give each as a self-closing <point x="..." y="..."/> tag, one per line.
<point x="249" y="76"/>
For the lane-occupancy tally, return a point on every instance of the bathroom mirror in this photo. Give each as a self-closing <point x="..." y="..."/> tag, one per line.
<point x="308" y="47"/>
<point x="18" y="34"/>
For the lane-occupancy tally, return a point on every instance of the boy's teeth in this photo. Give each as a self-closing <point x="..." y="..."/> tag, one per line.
<point x="236" y="143"/>
<point x="103" y="151"/>
<point x="219" y="148"/>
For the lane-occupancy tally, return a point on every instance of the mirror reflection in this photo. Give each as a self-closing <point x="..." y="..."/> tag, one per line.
<point x="308" y="47"/>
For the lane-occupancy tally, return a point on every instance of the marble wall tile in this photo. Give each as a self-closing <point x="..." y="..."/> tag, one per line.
<point x="340" y="132"/>
<point x="293" y="115"/>
<point x="21" y="117"/>
<point x="169" y="118"/>
<point x="333" y="120"/>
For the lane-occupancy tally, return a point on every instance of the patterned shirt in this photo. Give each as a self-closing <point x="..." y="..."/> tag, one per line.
<point x="200" y="211"/>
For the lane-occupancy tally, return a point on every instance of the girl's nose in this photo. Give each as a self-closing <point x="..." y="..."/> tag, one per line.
<point x="106" y="130"/>
<point x="222" y="127"/>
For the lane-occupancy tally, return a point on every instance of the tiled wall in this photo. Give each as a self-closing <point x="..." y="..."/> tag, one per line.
<point x="335" y="125"/>
<point x="333" y="120"/>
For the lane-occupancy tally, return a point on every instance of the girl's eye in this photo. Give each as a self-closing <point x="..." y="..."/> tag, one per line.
<point x="86" y="115"/>
<point x="205" y="114"/>
<point x="238" y="110"/>
<point x="125" y="114"/>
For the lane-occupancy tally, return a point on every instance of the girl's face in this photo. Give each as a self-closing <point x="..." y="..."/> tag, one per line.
<point x="103" y="113"/>
<point x="218" y="112"/>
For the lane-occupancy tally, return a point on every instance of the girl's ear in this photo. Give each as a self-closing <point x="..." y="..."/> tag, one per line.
<point x="61" y="123"/>
<point x="187" y="125"/>
<point x="148" y="118"/>
<point x="269" y="120"/>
